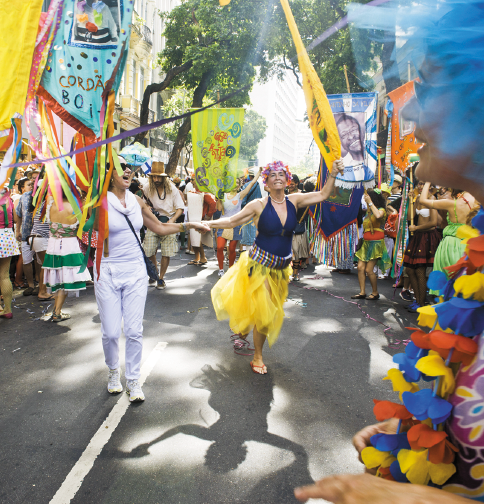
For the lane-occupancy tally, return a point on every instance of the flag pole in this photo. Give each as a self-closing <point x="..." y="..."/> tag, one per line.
<point x="347" y="81"/>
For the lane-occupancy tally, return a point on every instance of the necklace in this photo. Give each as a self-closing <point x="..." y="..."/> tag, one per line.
<point x="275" y="201"/>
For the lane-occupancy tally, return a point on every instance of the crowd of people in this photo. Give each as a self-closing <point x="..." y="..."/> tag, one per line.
<point x="48" y="257"/>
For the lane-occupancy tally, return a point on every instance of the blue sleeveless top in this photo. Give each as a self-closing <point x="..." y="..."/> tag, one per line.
<point x="273" y="237"/>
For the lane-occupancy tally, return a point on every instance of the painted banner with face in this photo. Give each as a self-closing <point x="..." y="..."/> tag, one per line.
<point x="355" y="116"/>
<point x="87" y="57"/>
<point x="216" y="136"/>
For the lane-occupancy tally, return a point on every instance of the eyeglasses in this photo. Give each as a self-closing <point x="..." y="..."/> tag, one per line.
<point x="350" y="133"/>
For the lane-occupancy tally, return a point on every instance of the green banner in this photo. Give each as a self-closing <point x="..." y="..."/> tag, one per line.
<point x="216" y="141"/>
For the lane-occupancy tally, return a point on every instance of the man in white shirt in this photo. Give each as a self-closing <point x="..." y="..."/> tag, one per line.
<point x="168" y="205"/>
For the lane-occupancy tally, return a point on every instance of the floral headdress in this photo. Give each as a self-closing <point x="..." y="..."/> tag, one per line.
<point x="276" y="166"/>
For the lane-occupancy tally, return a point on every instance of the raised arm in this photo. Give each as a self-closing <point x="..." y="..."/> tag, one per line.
<point x="437" y="204"/>
<point x="243" y="194"/>
<point x="301" y="200"/>
<point x="250" y="211"/>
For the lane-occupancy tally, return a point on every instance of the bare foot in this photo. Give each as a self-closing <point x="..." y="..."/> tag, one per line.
<point x="258" y="366"/>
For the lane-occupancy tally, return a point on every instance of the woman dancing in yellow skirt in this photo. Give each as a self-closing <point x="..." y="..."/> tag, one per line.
<point x="252" y="292"/>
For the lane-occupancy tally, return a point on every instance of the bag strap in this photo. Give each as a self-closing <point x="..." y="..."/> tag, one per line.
<point x="134" y="232"/>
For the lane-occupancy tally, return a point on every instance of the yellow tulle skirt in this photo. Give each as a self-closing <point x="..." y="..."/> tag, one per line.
<point x="251" y="295"/>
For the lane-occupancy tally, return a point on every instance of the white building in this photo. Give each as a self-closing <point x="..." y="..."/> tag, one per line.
<point x="277" y="102"/>
<point x="306" y="146"/>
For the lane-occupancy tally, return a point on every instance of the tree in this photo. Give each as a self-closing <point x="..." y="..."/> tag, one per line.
<point x="345" y="47"/>
<point x="223" y="45"/>
<point x="253" y="131"/>
<point x="306" y="166"/>
<point x="176" y="105"/>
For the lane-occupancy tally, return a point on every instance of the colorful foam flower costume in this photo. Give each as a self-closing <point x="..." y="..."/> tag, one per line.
<point x="420" y="451"/>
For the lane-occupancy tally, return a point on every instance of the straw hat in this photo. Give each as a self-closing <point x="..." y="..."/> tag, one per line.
<point x="158" y="169"/>
<point x="397" y="179"/>
<point x="386" y="188"/>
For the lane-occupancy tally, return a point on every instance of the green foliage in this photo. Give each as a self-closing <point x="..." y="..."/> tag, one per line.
<point x="229" y="40"/>
<point x="306" y="166"/>
<point x="253" y="131"/>
<point x="313" y="17"/>
<point x="178" y="103"/>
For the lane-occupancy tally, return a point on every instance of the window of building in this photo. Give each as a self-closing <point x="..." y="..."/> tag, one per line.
<point x="141" y="83"/>
<point x="159" y="110"/>
<point x="133" y="80"/>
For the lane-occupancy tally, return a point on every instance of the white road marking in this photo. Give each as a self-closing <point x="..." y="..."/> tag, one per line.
<point x="74" y="479"/>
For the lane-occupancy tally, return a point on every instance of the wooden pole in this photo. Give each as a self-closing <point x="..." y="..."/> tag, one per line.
<point x="62" y="133"/>
<point x="347" y="81"/>
<point x="408" y="71"/>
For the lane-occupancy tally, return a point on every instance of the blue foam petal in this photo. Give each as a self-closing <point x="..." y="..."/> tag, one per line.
<point x="463" y="316"/>
<point x="397" y="474"/>
<point x="418" y="402"/>
<point x="439" y="410"/>
<point x="407" y="367"/>
<point x="478" y="220"/>
<point x="437" y="280"/>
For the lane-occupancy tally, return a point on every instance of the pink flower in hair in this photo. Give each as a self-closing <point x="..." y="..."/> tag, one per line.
<point x="276" y="166"/>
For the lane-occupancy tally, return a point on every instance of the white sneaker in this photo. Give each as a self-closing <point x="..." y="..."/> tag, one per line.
<point x="152" y="283"/>
<point x="221" y="273"/>
<point x="114" y="383"/>
<point x="133" y="389"/>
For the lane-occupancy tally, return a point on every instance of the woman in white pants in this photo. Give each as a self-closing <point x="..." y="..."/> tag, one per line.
<point x="123" y="281"/>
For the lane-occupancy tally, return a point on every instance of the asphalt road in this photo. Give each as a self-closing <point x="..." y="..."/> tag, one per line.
<point x="210" y="430"/>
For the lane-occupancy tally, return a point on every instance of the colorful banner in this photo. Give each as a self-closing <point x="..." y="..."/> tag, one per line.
<point x="216" y="142"/>
<point x="355" y="118"/>
<point x="86" y="59"/>
<point x="335" y="234"/>
<point x="19" y="21"/>
<point x="321" y="119"/>
<point x="403" y="132"/>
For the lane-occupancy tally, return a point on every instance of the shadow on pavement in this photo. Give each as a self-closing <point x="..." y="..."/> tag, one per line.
<point x="243" y="405"/>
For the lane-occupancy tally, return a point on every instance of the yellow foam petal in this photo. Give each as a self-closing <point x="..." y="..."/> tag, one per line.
<point x="415" y="466"/>
<point x="466" y="232"/>
<point x="434" y="365"/>
<point x="399" y="383"/>
<point x="375" y="458"/>
<point x="471" y="286"/>
<point x="440" y="473"/>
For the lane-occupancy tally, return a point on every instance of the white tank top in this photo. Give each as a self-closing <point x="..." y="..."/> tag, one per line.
<point x="123" y="246"/>
<point x="232" y="206"/>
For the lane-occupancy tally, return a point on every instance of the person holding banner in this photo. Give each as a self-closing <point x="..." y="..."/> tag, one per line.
<point x="252" y="293"/>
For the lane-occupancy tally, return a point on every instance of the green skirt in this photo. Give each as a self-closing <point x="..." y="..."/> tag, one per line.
<point x="375" y="249"/>
<point x="450" y="250"/>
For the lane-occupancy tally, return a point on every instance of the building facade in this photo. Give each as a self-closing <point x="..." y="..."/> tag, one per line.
<point x="141" y="70"/>
<point x="277" y="102"/>
<point x="306" y="147"/>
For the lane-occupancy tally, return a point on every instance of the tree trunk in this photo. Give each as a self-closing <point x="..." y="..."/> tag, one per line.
<point x="391" y="75"/>
<point x="157" y="88"/>
<point x="185" y="127"/>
